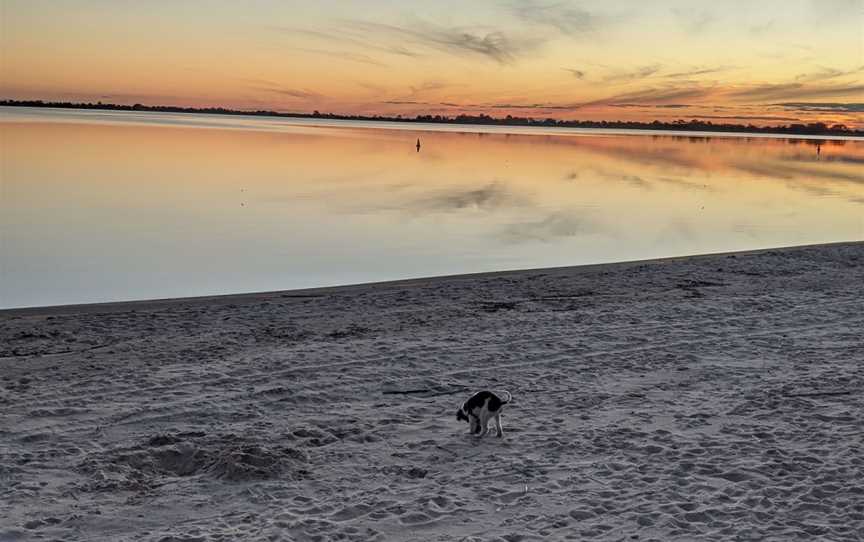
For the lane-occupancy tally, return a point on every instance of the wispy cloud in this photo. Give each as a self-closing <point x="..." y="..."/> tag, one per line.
<point x="460" y="41"/>
<point x="823" y="107"/>
<point x="567" y="19"/>
<point x="348" y="38"/>
<point x="656" y="96"/>
<point x="827" y="73"/>
<point x="633" y="75"/>
<point x="353" y="57"/>
<point x="529" y="106"/>
<point x="294" y="93"/>
<point x="373" y="88"/>
<point x="578" y="74"/>
<point x="793" y="91"/>
<point x="276" y="88"/>
<point x="661" y="106"/>
<point x="696" y="71"/>
<point x="405" y="40"/>
<point x="427" y="86"/>
<point x="788" y="96"/>
<point x="666" y="97"/>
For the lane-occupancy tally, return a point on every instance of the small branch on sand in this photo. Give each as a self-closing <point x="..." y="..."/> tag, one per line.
<point x="819" y="393"/>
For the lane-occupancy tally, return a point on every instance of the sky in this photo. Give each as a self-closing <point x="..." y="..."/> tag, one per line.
<point x="744" y="61"/>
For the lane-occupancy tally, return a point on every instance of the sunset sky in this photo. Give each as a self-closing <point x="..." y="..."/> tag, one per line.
<point x="759" y="61"/>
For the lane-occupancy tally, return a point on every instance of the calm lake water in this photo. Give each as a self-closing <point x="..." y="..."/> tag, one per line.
<point x="106" y="206"/>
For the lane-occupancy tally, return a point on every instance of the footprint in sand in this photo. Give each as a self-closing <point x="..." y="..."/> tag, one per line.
<point x="418" y="518"/>
<point x="352" y="512"/>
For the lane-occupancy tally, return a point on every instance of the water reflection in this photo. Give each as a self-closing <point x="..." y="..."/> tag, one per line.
<point x="97" y="210"/>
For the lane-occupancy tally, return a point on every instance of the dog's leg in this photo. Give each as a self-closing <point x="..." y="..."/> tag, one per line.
<point x="500" y="432"/>
<point x="475" y="424"/>
<point x="484" y="425"/>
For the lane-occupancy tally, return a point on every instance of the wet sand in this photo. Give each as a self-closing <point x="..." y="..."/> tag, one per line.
<point x="714" y="398"/>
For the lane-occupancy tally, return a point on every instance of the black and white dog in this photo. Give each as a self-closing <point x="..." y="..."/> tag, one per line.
<point x="480" y="408"/>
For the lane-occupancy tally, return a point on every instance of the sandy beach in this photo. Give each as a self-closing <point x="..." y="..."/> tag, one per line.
<point x="705" y="398"/>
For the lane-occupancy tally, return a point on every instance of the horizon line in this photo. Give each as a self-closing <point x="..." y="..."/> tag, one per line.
<point x="481" y="119"/>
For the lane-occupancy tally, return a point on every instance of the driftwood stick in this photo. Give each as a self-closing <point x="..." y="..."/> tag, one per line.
<point x="445" y="449"/>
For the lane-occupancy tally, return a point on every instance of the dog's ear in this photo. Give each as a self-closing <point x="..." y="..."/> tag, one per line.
<point x="461" y="415"/>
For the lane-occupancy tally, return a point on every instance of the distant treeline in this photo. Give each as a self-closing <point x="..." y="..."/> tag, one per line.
<point x="815" y="128"/>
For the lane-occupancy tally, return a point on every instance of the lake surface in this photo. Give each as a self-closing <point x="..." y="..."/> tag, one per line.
<point x="108" y="206"/>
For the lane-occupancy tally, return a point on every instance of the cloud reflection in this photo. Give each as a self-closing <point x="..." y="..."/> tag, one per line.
<point x="558" y="224"/>
<point x="492" y="196"/>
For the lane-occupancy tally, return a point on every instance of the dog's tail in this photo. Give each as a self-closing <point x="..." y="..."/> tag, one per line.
<point x="509" y="397"/>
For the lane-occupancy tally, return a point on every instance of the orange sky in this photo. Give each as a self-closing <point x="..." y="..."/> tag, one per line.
<point x="765" y="62"/>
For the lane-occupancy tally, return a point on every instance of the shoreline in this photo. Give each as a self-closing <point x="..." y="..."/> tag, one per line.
<point x="421" y="126"/>
<point x="301" y="293"/>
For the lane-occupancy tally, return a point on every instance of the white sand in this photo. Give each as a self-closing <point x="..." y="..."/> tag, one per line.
<point x="652" y="401"/>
